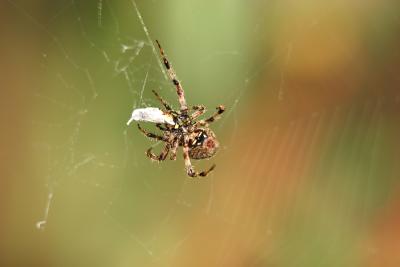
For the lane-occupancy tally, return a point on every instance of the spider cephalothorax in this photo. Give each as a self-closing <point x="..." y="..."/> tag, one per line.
<point x="180" y="128"/>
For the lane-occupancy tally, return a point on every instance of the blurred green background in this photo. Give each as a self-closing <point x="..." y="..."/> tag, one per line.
<point x="308" y="171"/>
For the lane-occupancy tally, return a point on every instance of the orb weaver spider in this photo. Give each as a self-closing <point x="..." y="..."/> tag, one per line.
<point x="180" y="127"/>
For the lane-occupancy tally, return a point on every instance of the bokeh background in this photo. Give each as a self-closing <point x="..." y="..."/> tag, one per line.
<point x="308" y="171"/>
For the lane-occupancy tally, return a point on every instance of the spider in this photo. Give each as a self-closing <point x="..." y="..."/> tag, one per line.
<point x="180" y="127"/>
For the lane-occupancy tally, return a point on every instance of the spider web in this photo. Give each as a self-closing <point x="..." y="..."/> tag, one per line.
<point x="287" y="174"/>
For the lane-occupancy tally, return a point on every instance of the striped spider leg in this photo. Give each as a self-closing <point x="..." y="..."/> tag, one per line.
<point x="174" y="79"/>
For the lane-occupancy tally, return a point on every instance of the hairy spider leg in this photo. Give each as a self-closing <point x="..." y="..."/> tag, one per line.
<point x="198" y="111"/>
<point x="150" y="135"/>
<point x="162" y="155"/>
<point x="220" y="110"/>
<point x="175" y="146"/>
<point x="162" y="128"/>
<point x="165" y="104"/>
<point x="189" y="167"/>
<point x="174" y="79"/>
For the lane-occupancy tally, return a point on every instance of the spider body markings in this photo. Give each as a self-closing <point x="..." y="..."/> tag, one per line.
<point x="195" y="137"/>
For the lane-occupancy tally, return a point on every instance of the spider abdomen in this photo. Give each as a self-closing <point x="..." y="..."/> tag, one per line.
<point x="203" y="145"/>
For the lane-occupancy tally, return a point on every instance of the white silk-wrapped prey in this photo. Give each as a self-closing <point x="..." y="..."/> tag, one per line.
<point x="151" y="115"/>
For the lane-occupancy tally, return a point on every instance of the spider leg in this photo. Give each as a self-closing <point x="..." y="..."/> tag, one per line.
<point x="165" y="104"/>
<point x="220" y="110"/>
<point x="162" y="155"/>
<point x="189" y="167"/>
<point x="161" y="127"/>
<point x="174" y="79"/>
<point x="198" y="110"/>
<point x="175" y="145"/>
<point x="150" y="135"/>
<point x="197" y="107"/>
<point x="201" y="123"/>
